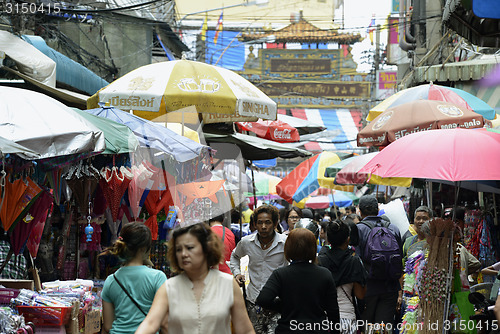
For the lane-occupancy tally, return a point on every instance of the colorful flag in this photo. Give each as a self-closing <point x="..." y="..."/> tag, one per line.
<point x="371" y="28"/>
<point x="218" y="28"/>
<point x="204" y="28"/>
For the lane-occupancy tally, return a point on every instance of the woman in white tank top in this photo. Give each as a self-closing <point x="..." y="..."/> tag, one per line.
<point x="199" y="300"/>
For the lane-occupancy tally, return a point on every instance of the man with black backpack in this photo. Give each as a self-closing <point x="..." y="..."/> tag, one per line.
<point x="380" y="248"/>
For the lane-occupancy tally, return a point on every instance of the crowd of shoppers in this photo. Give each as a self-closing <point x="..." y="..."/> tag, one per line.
<point x="326" y="276"/>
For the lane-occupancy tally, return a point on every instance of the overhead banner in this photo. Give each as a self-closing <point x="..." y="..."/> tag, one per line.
<point x="304" y="94"/>
<point x="324" y="64"/>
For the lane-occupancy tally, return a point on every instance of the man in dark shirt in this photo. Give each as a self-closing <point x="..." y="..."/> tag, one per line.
<point x="382" y="295"/>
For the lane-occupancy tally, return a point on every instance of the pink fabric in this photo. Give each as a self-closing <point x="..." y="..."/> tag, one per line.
<point x="445" y="154"/>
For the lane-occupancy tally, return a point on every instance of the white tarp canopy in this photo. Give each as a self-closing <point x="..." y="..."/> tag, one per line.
<point x="29" y="60"/>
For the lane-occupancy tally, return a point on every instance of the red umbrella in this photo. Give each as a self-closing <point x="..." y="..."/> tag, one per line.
<point x="350" y="174"/>
<point x="446" y="154"/>
<point x="31" y="227"/>
<point x="278" y="131"/>
<point x="114" y="183"/>
<point x="416" y="116"/>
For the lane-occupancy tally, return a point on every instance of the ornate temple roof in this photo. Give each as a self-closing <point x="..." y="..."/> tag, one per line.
<point x="302" y="32"/>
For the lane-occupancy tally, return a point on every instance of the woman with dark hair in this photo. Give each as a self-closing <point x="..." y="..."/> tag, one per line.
<point x="200" y="299"/>
<point x="120" y="313"/>
<point x="292" y="216"/>
<point x="307" y="293"/>
<point x="347" y="270"/>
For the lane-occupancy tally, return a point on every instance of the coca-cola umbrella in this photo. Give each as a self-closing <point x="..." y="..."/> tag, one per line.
<point x="273" y="130"/>
<point x="304" y="126"/>
<point x="416" y="116"/>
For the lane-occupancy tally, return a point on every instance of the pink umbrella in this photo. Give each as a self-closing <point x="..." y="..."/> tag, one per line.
<point x="445" y="154"/>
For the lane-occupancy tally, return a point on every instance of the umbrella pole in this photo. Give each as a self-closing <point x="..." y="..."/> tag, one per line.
<point x="449" y="280"/>
<point x="240" y="204"/>
<point x="253" y="186"/>
<point x="429" y="193"/>
<point x="495" y="220"/>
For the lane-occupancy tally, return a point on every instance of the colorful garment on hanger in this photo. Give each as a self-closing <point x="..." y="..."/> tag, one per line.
<point x="114" y="183"/>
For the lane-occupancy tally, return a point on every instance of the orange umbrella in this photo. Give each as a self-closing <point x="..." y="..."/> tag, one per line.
<point x="13" y="193"/>
<point x="19" y="196"/>
<point x="200" y="190"/>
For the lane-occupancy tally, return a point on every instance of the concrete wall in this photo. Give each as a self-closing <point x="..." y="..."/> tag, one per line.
<point x="129" y="44"/>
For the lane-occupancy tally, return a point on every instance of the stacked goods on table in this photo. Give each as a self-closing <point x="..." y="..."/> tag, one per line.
<point x="87" y="317"/>
<point x="43" y="310"/>
<point x="70" y="306"/>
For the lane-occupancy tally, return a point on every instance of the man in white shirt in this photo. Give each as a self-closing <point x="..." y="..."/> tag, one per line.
<point x="265" y="250"/>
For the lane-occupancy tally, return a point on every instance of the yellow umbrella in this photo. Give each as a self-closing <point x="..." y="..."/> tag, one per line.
<point x="155" y="89"/>
<point x="382" y="106"/>
<point x="183" y="131"/>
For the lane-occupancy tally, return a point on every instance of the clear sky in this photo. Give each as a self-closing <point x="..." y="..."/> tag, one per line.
<point x="358" y="14"/>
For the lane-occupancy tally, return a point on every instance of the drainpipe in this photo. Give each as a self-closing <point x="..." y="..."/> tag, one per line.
<point x="404" y="29"/>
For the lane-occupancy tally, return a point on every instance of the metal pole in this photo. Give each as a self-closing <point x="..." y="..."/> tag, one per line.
<point x="253" y="185"/>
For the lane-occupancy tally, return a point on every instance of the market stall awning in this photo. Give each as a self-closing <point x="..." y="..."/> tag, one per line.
<point x="47" y="126"/>
<point x="69" y="98"/>
<point x="154" y="136"/>
<point x="8" y="146"/>
<point x="119" y="138"/>
<point x="68" y="71"/>
<point x="343" y="123"/>
<point x="254" y="148"/>
<point x="474" y="69"/>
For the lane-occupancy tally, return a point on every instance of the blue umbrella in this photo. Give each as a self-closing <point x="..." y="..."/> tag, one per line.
<point x="152" y="135"/>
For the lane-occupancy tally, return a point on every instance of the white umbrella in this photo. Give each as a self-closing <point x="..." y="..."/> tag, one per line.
<point x="8" y="146"/>
<point x="45" y="125"/>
